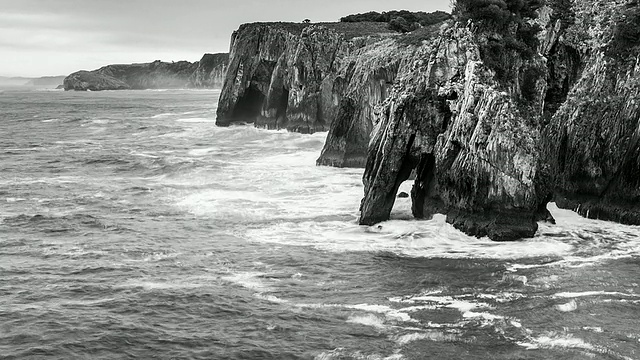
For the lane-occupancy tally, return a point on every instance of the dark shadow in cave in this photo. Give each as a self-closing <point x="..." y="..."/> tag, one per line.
<point x="281" y="110"/>
<point x="249" y="105"/>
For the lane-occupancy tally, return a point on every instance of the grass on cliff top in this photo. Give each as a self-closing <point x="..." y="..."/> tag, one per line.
<point x="349" y="30"/>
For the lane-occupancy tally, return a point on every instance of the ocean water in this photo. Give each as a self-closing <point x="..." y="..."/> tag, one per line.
<point x="132" y="227"/>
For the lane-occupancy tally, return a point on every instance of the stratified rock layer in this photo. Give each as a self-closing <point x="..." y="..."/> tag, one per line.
<point x="362" y="84"/>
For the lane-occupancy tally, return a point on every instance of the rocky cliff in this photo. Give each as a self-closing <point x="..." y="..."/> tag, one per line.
<point x="492" y="149"/>
<point x="286" y="75"/>
<point x="493" y="122"/>
<point x="593" y="140"/>
<point x="208" y="73"/>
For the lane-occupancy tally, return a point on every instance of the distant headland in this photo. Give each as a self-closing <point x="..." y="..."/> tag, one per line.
<point x="207" y="73"/>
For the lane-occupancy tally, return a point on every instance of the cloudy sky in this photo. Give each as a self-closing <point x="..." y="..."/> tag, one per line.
<point x="57" y="37"/>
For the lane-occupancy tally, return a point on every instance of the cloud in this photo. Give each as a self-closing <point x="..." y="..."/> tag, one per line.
<point x="69" y="33"/>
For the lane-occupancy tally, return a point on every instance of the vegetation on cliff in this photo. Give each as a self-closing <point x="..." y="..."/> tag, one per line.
<point x="510" y="35"/>
<point x="400" y="20"/>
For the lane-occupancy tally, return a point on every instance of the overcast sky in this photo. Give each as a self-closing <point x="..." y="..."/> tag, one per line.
<point x="57" y="37"/>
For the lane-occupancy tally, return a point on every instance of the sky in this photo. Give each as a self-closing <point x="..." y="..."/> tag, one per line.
<point x="58" y="37"/>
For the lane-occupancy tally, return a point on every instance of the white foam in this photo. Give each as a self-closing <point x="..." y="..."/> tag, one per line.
<point x="567" y="342"/>
<point x="196" y="120"/>
<point x="568" y="307"/>
<point x="463" y="306"/>
<point x="591" y="293"/>
<point x="367" y="320"/>
<point x="155" y="285"/>
<point x="249" y="280"/>
<point x="342" y="353"/>
<point x="431" y="238"/>
<point x="429" y="335"/>
<point x="163" y="115"/>
<point x="482" y="315"/>
<point x="202" y="152"/>
<point x="595" y="329"/>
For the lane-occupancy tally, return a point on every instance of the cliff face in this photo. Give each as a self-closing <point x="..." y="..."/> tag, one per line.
<point x="493" y="125"/>
<point x="593" y="140"/>
<point x="490" y="154"/>
<point x="363" y="82"/>
<point x="474" y="152"/>
<point x="285" y="75"/>
<point x="155" y="75"/>
<point x="210" y="73"/>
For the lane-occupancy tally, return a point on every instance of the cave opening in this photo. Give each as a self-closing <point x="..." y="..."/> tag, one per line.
<point x="249" y="105"/>
<point x="423" y="187"/>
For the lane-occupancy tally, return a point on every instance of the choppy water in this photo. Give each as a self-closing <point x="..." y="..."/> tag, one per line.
<point x="132" y="227"/>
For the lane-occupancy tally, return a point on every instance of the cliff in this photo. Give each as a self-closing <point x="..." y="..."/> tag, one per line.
<point x="207" y="73"/>
<point x="593" y="140"/>
<point x="210" y="72"/>
<point x="474" y="152"/>
<point x="494" y="115"/>
<point x="285" y="75"/>
<point x="493" y="139"/>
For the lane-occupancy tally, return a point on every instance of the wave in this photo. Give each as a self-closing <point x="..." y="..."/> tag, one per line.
<point x="61" y="223"/>
<point x="196" y="120"/>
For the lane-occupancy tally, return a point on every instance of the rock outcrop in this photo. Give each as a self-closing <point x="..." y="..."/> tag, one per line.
<point x="593" y="140"/>
<point x="475" y="153"/>
<point x="491" y="153"/>
<point x="208" y="73"/>
<point x="362" y="84"/>
<point x="285" y="75"/>
<point x="491" y="124"/>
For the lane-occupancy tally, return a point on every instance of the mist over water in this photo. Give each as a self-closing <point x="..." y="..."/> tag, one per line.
<point x="132" y="227"/>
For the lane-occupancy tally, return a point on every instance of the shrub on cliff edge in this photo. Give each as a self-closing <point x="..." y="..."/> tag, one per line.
<point x="506" y="26"/>
<point x="626" y="35"/>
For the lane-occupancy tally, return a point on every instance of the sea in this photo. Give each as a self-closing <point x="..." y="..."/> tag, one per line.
<point x="132" y="227"/>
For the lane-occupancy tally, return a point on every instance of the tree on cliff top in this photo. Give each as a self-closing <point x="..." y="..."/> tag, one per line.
<point x="507" y="28"/>
<point x="400" y="20"/>
<point x="496" y="13"/>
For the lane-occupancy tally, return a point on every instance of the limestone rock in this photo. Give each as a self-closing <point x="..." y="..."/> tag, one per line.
<point x="155" y="75"/>
<point x="362" y="84"/>
<point x="283" y="75"/>
<point x="475" y="153"/>
<point x="593" y="141"/>
<point x="210" y="73"/>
